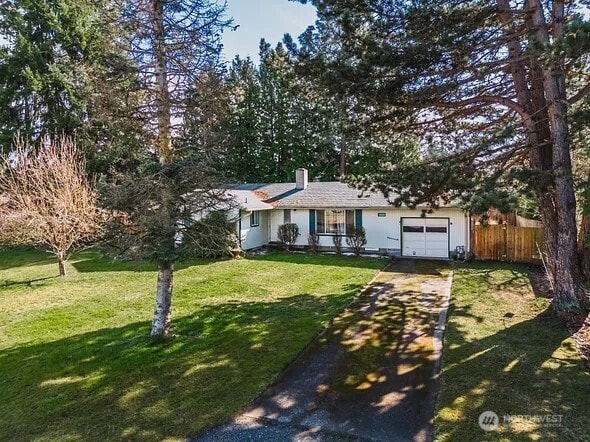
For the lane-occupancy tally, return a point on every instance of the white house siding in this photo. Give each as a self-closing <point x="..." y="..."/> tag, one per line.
<point x="298" y="216"/>
<point x="253" y="237"/>
<point x="382" y="232"/>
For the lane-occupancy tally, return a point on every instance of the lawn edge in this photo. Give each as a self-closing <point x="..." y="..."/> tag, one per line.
<point x="441" y="325"/>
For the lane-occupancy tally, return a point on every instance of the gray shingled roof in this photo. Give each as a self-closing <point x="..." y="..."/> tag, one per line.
<point x="249" y="200"/>
<point x="316" y="195"/>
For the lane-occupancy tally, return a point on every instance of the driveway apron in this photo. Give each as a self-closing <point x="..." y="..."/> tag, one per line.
<point x="370" y="376"/>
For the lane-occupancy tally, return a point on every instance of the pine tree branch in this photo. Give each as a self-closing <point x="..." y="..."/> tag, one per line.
<point x="486" y="99"/>
<point x="579" y="95"/>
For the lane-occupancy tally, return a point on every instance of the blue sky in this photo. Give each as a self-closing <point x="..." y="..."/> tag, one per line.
<point x="270" y="19"/>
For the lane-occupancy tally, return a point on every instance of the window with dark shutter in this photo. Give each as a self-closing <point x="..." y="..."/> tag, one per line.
<point x="334" y="222"/>
<point x="350" y="222"/>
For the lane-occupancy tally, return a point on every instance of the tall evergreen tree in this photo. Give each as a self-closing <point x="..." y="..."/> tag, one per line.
<point x="494" y="75"/>
<point x="172" y="42"/>
<point x="242" y="123"/>
<point x="45" y="67"/>
<point x="280" y="120"/>
<point x="63" y="71"/>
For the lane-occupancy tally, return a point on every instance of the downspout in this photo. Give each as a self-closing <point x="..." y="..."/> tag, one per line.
<point x="240" y="228"/>
<point x="469" y="233"/>
<point x="268" y="225"/>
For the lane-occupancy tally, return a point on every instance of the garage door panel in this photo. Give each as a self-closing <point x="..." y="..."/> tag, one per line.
<point x="432" y="222"/>
<point x="425" y="237"/>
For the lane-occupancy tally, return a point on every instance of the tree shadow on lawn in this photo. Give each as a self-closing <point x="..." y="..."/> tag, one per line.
<point x="24" y="257"/>
<point x="488" y="275"/>
<point x="524" y="369"/>
<point x="96" y="261"/>
<point x="10" y="284"/>
<point x="319" y="259"/>
<point x="114" y="383"/>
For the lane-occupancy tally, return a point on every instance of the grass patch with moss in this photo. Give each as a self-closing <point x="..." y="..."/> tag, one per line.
<point x="506" y="351"/>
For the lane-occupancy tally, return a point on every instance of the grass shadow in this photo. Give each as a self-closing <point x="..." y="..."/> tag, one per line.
<point x="24" y="257"/>
<point x="318" y="259"/>
<point x="513" y="360"/>
<point x="116" y="383"/>
<point x="10" y="284"/>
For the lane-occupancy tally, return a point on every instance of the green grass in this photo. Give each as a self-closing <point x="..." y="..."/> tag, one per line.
<point x="76" y="361"/>
<point x="506" y="351"/>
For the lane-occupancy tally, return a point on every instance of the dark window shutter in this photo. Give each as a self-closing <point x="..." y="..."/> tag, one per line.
<point x="350" y="221"/>
<point x="311" y="221"/>
<point x="358" y="214"/>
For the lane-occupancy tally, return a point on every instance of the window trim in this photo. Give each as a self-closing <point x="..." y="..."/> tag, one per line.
<point x="255" y="218"/>
<point x="344" y="215"/>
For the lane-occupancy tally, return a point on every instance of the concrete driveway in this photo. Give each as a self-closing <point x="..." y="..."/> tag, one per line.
<point x="372" y="374"/>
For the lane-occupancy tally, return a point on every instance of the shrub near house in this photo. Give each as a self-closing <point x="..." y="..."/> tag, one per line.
<point x="357" y="239"/>
<point x="288" y="234"/>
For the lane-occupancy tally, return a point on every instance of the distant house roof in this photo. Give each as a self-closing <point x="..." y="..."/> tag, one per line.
<point x="317" y="195"/>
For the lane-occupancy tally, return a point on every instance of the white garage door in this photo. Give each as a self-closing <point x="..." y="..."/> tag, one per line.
<point x="426" y="237"/>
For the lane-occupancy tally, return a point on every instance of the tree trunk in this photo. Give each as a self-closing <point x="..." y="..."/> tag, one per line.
<point x="342" y="144"/>
<point x="61" y="264"/>
<point x="161" y="321"/>
<point x="163" y="106"/>
<point x="583" y="249"/>
<point x="165" y="151"/>
<point x="568" y="293"/>
<point x="542" y="96"/>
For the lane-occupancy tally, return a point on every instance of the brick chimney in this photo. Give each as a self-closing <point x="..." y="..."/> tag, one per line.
<point x="301" y="179"/>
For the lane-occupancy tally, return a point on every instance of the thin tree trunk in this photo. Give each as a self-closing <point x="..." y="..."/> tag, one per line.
<point x="161" y="321"/>
<point x="583" y="249"/>
<point x="61" y="264"/>
<point x="165" y="150"/>
<point x="163" y="107"/>
<point x="342" y="156"/>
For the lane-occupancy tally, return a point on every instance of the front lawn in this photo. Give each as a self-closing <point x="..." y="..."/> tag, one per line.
<point x="76" y="361"/>
<point x="505" y="351"/>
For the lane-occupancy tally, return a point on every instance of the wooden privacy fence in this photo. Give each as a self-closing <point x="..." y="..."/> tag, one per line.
<point x="508" y="243"/>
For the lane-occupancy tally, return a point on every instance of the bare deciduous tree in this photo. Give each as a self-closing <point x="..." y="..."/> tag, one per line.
<point x="47" y="200"/>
